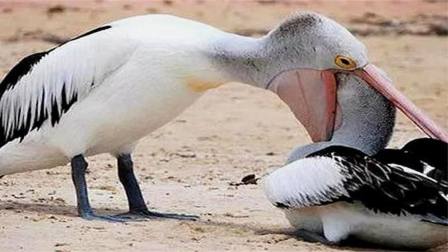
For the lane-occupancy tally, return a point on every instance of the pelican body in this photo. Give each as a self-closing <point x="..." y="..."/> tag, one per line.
<point x="353" y="188"/>
<point x="102" y="91"/>
<point x="107" y="95"/>
<point x="340" y="193"/>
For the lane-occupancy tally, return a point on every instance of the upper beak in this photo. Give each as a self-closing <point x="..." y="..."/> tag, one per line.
<point x="374" y="77"/>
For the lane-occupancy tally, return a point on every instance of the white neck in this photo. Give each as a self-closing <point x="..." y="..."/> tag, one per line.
<point x="242" y="59"/>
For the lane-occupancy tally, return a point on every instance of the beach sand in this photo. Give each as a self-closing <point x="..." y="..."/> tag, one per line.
<point x="188" y="165"/>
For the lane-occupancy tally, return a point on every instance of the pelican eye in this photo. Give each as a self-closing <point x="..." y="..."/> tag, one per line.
<point x="344" y="62"/>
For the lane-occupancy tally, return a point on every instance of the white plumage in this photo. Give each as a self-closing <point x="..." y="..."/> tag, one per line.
<point x="128" y="80"/>
<point x="313" y="183"/>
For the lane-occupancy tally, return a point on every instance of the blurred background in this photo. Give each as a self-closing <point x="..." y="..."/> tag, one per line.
<point x="190" y="164"/>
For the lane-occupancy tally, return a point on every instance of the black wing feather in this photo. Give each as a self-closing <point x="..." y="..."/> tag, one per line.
<point x="13" y="77"/>
<point x="387" y="189"/>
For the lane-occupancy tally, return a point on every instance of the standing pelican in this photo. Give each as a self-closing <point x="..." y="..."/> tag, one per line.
<point x="331" y="191"/>
<point x="106" y="89"/>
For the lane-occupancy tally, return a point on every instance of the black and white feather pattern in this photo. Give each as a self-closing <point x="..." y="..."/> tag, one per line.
<point x="426" y="155"/>
<point x="344" y="174"/>
<point x="45" y="85"/>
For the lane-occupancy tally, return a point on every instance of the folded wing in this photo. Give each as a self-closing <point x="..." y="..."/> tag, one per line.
<point x="42" y="87"/>
<point x="344" y="174"/>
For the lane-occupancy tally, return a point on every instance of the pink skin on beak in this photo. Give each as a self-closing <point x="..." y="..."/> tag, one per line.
<point x="311" y="96"/>
<point x="374" y="77"/>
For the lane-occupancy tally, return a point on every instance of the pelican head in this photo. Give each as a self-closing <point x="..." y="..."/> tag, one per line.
<point x="299" y="61"/>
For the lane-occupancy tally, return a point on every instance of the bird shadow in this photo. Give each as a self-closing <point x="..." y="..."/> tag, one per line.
<point x="289" y="233"/>
<point x="49" y="209"/>
<point x="351" y="243"/>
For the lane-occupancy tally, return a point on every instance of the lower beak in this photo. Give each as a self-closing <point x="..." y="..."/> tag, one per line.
<point x="374" y="77"/>
<point x="311" y="96"/>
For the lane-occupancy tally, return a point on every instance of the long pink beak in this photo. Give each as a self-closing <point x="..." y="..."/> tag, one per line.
<point x="372" y="75"/>
<point x="312" y="97"/>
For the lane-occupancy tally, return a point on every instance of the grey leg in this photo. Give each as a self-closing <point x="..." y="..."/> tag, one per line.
<point x="130" y="184"/>
<point x="79" y="166"/>
<point x="137" y="205"/>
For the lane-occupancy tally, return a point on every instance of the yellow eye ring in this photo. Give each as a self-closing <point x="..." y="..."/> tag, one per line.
<point x="345" y="63"/>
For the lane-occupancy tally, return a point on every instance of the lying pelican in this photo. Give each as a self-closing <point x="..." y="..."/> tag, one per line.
<point x="333" y="190"/>
<point x="103" y="91"/>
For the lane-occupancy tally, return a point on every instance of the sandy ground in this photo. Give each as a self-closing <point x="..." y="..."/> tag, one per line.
<point x="235" y="130"/>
